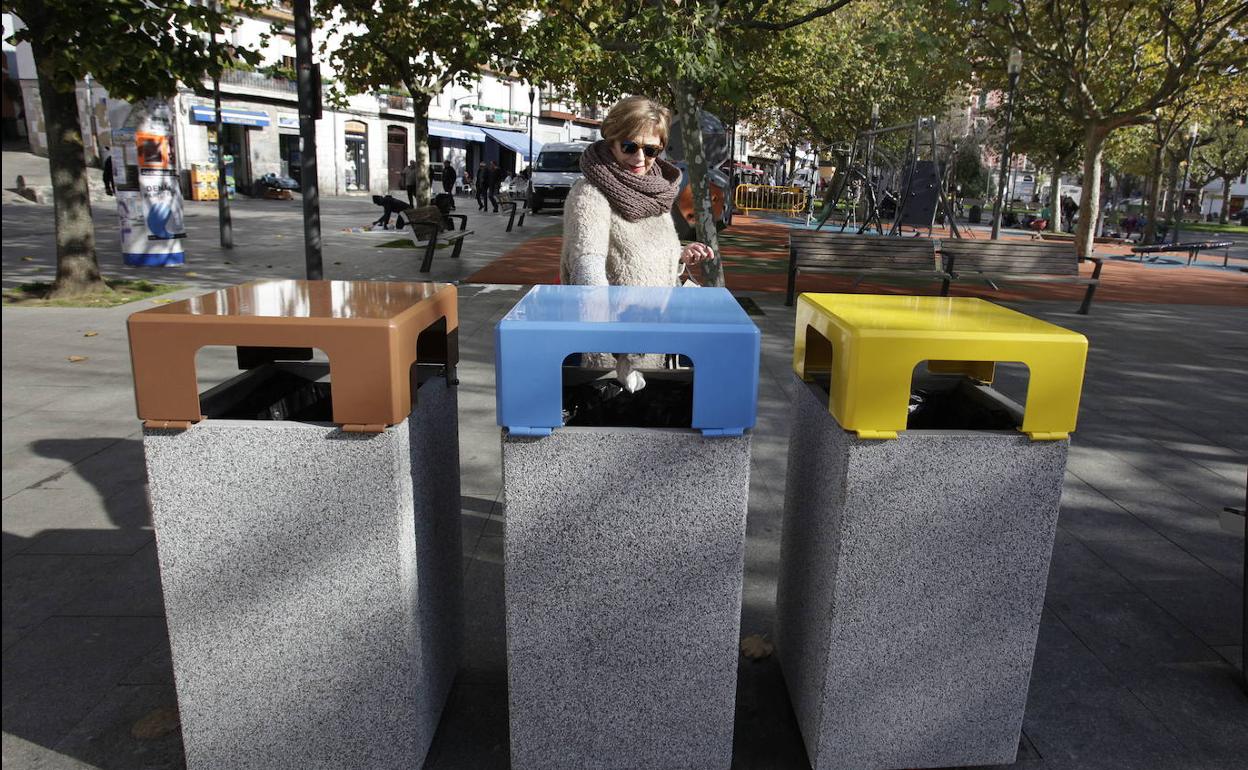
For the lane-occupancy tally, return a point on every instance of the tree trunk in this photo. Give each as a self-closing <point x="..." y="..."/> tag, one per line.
<point x="420" y="130"/>
<point x="77" y="271"/>
<point x="1154" y="199"/>
<point x="695" y="162"/>
<point x="1172" y="198"/>
<point x="1055" y="200"/>
<point x="1224" y="217"/>
<point x="1090" y="198"/>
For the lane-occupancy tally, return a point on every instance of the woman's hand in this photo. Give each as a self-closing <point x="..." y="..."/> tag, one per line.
<point x="695" y="253"/>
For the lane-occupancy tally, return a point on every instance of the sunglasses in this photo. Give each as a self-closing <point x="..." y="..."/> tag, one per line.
<point x="651" y="150"/>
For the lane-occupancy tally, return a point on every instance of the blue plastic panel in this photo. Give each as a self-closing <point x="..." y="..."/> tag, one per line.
<point x="553" y="322"/>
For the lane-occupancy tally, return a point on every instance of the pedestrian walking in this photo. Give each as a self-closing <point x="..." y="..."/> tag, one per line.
<point x="495" y="182"/>
<point x="109" y="187"/>
<point x="448" y="180"/>
<point x="411" y="177"/>
<point x="482" y="185"/>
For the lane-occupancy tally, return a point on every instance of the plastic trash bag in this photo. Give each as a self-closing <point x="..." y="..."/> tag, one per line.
<point x="663" y="403"/>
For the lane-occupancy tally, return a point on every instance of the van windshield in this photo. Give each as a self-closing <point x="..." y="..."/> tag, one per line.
<point x="569" y="160"/>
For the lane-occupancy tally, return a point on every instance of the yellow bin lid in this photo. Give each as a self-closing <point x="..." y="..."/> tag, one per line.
<point x="871" y="344"/>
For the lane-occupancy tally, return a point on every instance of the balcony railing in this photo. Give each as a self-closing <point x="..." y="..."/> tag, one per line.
<point x="258" y="81"/>
<point x="394" y="101"/>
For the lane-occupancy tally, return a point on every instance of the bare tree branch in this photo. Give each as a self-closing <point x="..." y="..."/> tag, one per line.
<point x="777" y="26"/>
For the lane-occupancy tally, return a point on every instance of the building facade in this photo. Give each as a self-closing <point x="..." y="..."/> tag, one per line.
<point x="362" y="146"/>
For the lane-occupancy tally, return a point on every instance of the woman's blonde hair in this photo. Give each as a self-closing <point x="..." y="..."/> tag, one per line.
<point x="633" y="115"/>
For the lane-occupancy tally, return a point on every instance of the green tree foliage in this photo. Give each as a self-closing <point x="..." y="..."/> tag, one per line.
<point x="689" y="54"/>
<point x="829" y="73"/>
<point x="1225" y="157"/>
<point x="133" y="48"/>
<point x="1048" y="137"/>
<point x="969" y="172"/>
<point x="1110" y="63"/>
<point x="423" y="47"/>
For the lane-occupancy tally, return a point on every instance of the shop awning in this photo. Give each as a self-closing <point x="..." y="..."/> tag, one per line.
<point x="517" y="141"/>
<point x="203" y="114"/>
<point x="448" y="130"/>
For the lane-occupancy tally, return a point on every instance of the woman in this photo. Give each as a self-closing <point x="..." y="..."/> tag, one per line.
<point x="618" y="227"/>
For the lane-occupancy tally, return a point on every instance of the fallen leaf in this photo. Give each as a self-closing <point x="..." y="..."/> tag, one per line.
<point x="157" y="723"/>
<point x="28" y="259"/>
<point x="75" y="359"/>
<point x="161" y="301"/>
<point x="192" y="275"/>
<point x="91" y="334"/>
<point x="756" y="647"/>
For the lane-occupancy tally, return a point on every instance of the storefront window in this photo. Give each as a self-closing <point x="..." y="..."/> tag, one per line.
<point x="356" y="137"/>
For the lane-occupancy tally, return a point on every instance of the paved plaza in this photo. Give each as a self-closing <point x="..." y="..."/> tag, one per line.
<point x="1139" y="646"/>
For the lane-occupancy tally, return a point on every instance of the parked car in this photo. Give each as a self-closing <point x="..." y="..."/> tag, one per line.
<point x="558" y="167"/>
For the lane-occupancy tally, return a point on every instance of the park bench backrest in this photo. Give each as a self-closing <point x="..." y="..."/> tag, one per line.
<point x="1009" y="257"/>
<point x="427" y="219"/>
<point x="817" y="249"/>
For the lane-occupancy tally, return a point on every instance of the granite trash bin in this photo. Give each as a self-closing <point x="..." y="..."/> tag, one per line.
<point x="308" y="531"/>
<point x="624" y="545"/>
<point x="914" y="560"/>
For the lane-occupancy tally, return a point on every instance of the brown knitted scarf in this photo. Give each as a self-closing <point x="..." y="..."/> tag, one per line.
<point x="632" y="196"/>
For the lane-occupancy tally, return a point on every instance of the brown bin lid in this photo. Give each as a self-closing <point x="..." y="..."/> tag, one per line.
<point x="367" y="329"/>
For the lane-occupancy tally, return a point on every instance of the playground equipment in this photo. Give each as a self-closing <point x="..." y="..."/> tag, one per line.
<point x="869" y="170"/>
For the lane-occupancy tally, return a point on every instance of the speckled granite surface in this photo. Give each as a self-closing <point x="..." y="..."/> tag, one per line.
<point x="912" y="580"/>
<point x="312" y="586"/>
<point x="623" y="566"/>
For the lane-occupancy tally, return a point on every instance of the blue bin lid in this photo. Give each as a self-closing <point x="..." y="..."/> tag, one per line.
<point x="552" y="322"/>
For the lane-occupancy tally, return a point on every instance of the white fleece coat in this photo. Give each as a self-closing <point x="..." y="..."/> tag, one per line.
<point x="602" y="248"/>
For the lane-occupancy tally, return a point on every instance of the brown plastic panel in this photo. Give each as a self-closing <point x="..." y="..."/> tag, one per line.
<point x="367" y="329"/>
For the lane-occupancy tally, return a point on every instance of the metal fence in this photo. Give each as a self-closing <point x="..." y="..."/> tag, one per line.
<point x="258" y="80"/>
<point x="761" y="197"/>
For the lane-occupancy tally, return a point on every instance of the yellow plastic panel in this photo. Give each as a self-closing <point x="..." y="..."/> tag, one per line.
<point x="877" y="340"/>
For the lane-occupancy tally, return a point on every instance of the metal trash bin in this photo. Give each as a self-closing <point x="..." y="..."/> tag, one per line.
<point x="308" y="532"/>
<point x="624" y="545"/>
<point x="914" y="561"/>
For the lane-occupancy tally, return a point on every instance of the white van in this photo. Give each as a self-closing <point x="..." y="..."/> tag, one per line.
<point x="558" y="167"/>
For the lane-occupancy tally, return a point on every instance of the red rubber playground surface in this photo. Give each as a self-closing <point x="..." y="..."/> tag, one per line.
<point x="755" y="253"/>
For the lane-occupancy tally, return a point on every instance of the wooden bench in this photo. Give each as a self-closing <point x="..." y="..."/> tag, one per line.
<point x="1193" y="249"/>
<point x="864" y="256"/>
<point x="430" y="226"/>
<point x="1016" y="262"/>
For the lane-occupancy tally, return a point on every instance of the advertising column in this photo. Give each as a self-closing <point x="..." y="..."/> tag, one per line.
<point x="149" y="205"/>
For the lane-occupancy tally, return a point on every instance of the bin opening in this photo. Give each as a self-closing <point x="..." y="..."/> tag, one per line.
<point x="273" y="391"/>
<point x="277" y="386"/>
<point x="950" y="402"/>
<point x="957" y="402"/>
<point x="595" y="398"/>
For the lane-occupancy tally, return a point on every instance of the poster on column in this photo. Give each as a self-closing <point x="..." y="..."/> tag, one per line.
<point x="156" y="224"/>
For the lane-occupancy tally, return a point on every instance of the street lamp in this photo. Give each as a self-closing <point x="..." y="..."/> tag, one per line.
<point x="1014" y="67"/>
<point x="1187" y="170"/>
